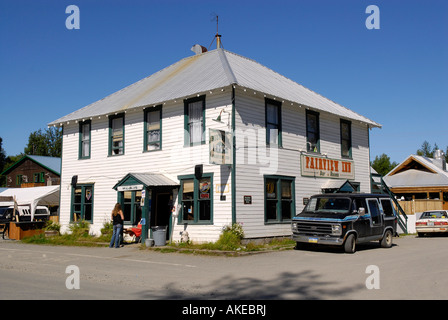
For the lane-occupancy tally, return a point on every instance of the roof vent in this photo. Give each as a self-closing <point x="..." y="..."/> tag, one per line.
<point x="198" y="49"/>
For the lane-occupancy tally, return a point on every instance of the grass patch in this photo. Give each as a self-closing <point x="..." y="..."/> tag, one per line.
<point x="78" y="236"/>
<point x="229" y="243"/>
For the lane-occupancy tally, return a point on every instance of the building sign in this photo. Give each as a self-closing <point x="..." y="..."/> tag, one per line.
<point x="220" y="147"/>
<point x="322" y="167"/>
<point x="130" y="188"/>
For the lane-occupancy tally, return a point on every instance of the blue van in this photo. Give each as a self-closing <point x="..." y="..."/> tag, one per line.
<point x="345" y="219"/>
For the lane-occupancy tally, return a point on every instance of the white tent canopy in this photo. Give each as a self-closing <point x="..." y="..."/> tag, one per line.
<point x="32" y="197"/>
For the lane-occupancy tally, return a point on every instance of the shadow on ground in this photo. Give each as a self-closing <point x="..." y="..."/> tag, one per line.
<point x="288" y="285"/>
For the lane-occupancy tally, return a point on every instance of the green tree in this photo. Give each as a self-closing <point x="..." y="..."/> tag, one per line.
<point x="382" y="164"/>
<point x="426" y="150"/>
<point x="2" y="156"/>
<point x="47" y="143"/>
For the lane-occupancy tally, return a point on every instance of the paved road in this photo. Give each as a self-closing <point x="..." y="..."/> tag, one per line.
<point x="414" y="268"/>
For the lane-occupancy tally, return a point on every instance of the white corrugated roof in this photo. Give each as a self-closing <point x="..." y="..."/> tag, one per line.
<point x="208" y="71"/>
<point x="417" y="178"/>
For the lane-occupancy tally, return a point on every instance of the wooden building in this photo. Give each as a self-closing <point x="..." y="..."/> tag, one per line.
<point x="213" y="139"/>
<point x="33" y="171"/>
<point x="420" y="183"/>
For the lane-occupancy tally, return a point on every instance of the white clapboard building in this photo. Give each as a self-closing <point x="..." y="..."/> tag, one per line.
<point x="211" y="140"/>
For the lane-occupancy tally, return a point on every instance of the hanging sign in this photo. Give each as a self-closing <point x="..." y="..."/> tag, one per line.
<point x="220" y="147"/>
<point x="322" y="167"/>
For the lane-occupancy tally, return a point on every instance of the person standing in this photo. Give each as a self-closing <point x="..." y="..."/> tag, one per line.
<point x="117" y="221"/>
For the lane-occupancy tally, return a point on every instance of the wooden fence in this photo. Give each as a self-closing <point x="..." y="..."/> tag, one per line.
<point x="414" y="206"/>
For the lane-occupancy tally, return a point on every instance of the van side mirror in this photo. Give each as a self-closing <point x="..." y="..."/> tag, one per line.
<point x="362" y="211"/>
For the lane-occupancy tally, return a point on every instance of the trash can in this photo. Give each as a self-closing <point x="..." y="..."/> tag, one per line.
<point x="159" y="235"/>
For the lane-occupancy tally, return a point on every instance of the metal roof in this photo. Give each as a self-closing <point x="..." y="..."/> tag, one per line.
<point x="149" y="179"/>
<point x="205" y="72"/>
<point x="51" y="163"/>
<point x="415" y="177"/>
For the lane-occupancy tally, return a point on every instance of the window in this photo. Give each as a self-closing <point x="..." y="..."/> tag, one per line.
<point x="388" y="208"/>
<point x="273" y="122"/>
<point x="279" y="199"/>
<point x="312" y="131"/>
<point x="131" y="204"/>
<point x="82" y="203"/>
<point x="374" y="211"/>
<point x="39" y="177"/>
<point x="20" y="179"/>
<point x="116" y="135"/>
<point x="196" y="198"/>
<point x="346" y="139"/>
<point x="153" y="129"/>
<point x="194" y="121"/>
<point x="84" y="139"/>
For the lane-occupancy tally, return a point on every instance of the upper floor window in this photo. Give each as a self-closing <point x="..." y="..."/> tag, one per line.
<point x="153" y="129"/>
<point x="312" y="131"/>
<point x="273" y="122"/>
<point x="116" y="135"/>
<point x="346" y="139"/>
<point x="84" y="139"/>
<point x="194" y="121"/>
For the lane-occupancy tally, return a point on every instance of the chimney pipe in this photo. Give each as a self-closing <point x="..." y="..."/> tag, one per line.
<point x="439" y="159"/>
<point x="218" y="41"/>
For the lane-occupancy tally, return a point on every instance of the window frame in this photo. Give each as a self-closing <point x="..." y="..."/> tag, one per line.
<point x="134" y="204"/>
<point x="278" y="105"/>
<point x="279" y="200"/>
<point x="111" y="148"/>
<point x="196" y="200"/>
<point x="317" y="133"/>
<point x="187" y="135"/>
<point x="39" y="177"/>
<point x="146" y="143"/>
<point x="82" y="140"/>
<point x="349" y="143"/>
<point x="82" y="203"/>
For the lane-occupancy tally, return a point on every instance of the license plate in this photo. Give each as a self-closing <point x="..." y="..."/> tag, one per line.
<point x="430" y="224"/>
<point x="312" y="240"/>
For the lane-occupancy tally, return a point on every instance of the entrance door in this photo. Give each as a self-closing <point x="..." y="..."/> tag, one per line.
<point x="162" y="210"/>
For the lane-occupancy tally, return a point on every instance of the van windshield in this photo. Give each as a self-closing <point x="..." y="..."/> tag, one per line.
<point x="334" y="205"/>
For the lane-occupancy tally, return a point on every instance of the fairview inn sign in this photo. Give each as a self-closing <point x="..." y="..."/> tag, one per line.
<point x="322" y="167"/>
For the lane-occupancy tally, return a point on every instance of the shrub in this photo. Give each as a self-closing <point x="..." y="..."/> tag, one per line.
<point x="80" y="228"/>
<point x="235" y="229"/>
<point x="52" y="226"/>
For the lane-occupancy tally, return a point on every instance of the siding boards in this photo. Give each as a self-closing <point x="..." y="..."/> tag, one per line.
<point x="174" y="159"/>
<point x="251" y="165"/>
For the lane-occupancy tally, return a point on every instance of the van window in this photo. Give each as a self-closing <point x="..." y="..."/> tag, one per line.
<point x="374" y="210"/>
<point x="387" y="207"/>
<point x="361" y="203"/>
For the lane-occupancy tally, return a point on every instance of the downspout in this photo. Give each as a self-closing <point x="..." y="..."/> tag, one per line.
<point x="233" y="173"/>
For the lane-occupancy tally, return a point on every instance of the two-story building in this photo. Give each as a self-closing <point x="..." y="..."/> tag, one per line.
<point x="213" y="139"/>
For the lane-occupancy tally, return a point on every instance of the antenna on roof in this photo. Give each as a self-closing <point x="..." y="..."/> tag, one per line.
<point x="217" y="35"/>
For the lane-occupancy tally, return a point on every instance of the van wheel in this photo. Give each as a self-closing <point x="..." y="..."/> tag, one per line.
<point x="350" y="244"/>
<point x="386" y="242"/>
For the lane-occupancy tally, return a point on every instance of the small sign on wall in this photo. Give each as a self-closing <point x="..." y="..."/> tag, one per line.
<point x="247" y="199"/>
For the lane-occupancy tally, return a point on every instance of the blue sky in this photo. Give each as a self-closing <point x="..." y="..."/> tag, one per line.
<point x="396" y="75"/>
